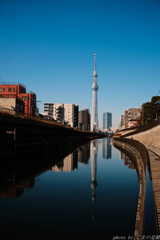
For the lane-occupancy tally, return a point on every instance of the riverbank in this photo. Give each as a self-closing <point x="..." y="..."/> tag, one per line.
<point x="28" y="129"/>
<point x="149" y="136"/>
<point x="154" y="156"/>
<point x="140" y="158"/>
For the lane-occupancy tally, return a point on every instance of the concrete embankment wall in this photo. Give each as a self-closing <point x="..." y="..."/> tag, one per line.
<point x="140" y="154"/>
<point x="150" y="138"/>
<point x="28" y="130"/>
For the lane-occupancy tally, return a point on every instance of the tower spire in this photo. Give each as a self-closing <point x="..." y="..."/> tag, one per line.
<point x="94" y="72"/>
<point x="95" y="62"/>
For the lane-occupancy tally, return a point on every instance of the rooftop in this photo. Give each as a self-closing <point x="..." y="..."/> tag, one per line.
<point x="13" y="83"/>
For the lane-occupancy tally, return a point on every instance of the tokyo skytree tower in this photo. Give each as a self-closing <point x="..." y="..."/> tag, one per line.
<point x="94" y="118"/>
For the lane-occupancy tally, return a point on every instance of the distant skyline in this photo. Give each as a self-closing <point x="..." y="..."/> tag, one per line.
<point x="49" y="46"/>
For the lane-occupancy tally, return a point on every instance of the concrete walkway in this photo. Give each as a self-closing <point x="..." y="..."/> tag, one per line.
<point x="154" y="155"/>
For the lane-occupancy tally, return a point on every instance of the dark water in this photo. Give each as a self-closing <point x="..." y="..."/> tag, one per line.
<point x="93" y="193"/>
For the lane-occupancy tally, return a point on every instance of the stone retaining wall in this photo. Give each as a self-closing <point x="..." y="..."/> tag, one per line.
<point x="140" y="154"/>
<point x="150" y="138"/>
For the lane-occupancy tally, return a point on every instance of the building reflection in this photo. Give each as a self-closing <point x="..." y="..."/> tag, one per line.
<point x="84" y="154"/>
<point x="107" y="148"/>
<point x="17" y="190"/>
<point x="94" y="153"/>
<point x="70" y="162"/>
<point x="12" y="188"/>
<point x="127" y="161"/>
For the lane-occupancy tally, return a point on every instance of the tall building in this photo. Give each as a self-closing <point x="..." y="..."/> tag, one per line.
<point x="84" y="120"/>
<point x="65" y="113"/>
<point x="122" y="121"/>
<point x="76" y="111"/>
<point x="94" y="118"/>
<point x="107" y="120"/>
<point x="126" y="118"/>
<point x="17" y="91"/>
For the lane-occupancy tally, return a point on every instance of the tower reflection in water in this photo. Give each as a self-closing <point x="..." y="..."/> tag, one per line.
<point x="87" y="206"/>
<point x="94" y="153"/>
<point x="82" y="155"/>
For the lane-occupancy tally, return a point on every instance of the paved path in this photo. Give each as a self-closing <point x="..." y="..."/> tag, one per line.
<point x="154" y="155"/>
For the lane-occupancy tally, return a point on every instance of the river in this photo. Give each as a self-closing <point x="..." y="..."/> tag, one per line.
<point x="92" y="192"/>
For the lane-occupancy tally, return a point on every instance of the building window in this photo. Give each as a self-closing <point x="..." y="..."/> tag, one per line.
<point x="4" y="89"/>
<point x="14" y="89"/>
<point x="0" y="89"/>
<point x="10" y="90"/>
<point x="24" y="98"/>
<point x="33" y="100"/>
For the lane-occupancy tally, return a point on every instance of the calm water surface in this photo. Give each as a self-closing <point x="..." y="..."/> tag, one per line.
<point x="93" y="192"/>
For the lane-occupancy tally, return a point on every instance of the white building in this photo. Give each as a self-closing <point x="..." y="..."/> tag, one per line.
<point x="66" y="113"/>
<point x="48" y="109"/>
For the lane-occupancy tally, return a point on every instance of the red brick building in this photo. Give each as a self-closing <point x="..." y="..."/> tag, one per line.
<point x="18" y="91"/>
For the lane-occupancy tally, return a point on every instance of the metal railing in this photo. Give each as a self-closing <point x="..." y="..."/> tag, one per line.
<point x="13" y="83"/>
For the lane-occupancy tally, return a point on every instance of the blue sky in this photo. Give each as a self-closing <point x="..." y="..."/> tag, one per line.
<point x="49" y="46"/>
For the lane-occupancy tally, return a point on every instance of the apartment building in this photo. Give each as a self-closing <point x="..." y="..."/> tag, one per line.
<point x="14" y="96"/>
<point x="122" y="121"/>
<point x="65" y="113"/>
<point x="84" y="120"/>
<point x="131" y="117"/>
<point x="134" y="114"/>
<point x="48" y="109"/>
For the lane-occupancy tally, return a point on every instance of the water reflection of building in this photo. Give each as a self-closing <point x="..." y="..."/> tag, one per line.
<point x="107" y="148"/>
<point x="70" y="162"/>
<point x="94" y="153"/>
<point x="122" y="155"/>
<point x="84" y="154"/>
<point x="17" y="190"/>
<point x="127" y="161"/>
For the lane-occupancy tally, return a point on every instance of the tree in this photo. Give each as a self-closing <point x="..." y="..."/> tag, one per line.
<point x="151" y="110"/>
